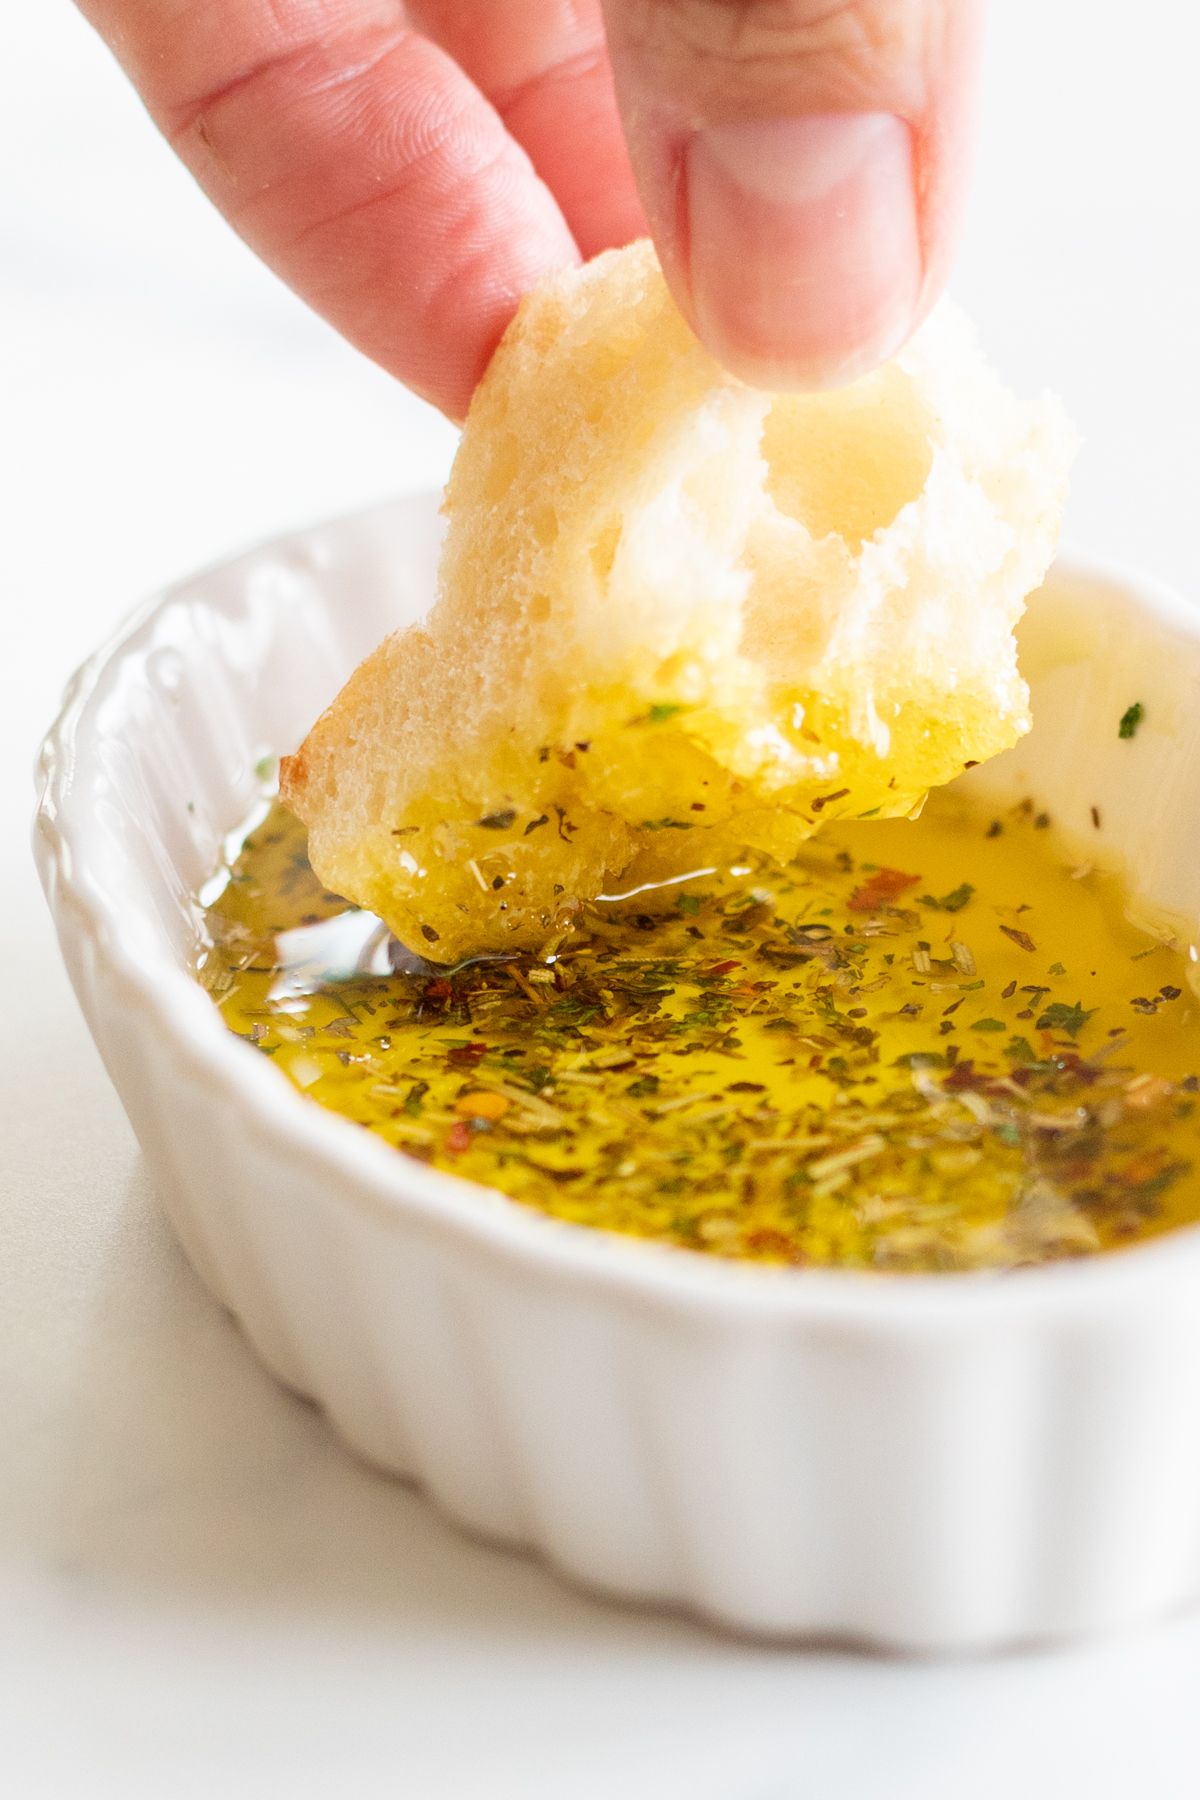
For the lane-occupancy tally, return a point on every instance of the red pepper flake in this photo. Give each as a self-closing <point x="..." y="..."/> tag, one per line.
<point x="881" y="887"/>
<point x="723" y="968"/>
<point x="458" y="1138"/>
<point x="468" y="1054"/>
<point x="1021" y="938"/>
<point x="766" y="1241"/>
<point x="1144" y="1167"/>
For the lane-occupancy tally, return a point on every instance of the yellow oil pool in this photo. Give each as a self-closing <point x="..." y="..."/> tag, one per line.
<point x="927" y="1045"/>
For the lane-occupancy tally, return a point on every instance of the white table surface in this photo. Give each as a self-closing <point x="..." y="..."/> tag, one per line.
<point x="199" y="1593"/>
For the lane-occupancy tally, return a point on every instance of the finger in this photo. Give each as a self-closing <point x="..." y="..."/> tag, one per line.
<point x="360" y="162"/>
<point x="545" y="68"/>
<point x="802" y="164"/>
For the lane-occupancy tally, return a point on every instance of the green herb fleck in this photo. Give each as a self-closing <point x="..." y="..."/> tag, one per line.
<point x="952" y="902"/>
<point x="1131" y="718"/>
<point x="1058" y="1016"/>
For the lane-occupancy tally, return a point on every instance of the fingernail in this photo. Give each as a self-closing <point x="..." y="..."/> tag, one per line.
<point x="804" y="252"/>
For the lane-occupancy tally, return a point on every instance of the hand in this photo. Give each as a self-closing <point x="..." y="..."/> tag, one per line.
<point x="412" y="171"/>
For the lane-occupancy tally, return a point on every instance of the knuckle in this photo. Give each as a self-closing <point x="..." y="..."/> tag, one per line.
<point x="812" y="53"/>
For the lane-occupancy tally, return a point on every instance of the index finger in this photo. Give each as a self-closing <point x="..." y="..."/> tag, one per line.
<point x="360" y="162"/>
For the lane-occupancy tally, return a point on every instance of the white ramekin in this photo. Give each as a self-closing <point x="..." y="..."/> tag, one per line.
<point x="930" y="1463"/>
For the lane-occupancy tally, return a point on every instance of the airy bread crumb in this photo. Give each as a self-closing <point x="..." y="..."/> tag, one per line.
<point x="678" y="617"/>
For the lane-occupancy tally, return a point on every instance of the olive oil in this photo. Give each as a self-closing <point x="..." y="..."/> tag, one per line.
<point x="926" y="1045"/>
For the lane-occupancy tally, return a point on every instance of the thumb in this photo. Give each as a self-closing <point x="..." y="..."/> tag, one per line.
<point x="802" y="165"/>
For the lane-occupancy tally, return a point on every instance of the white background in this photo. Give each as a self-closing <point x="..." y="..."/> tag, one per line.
<point x="199" y="1593"/>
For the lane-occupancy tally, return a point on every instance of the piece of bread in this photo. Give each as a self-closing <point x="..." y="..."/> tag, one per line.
<point x="678" y="617"/>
